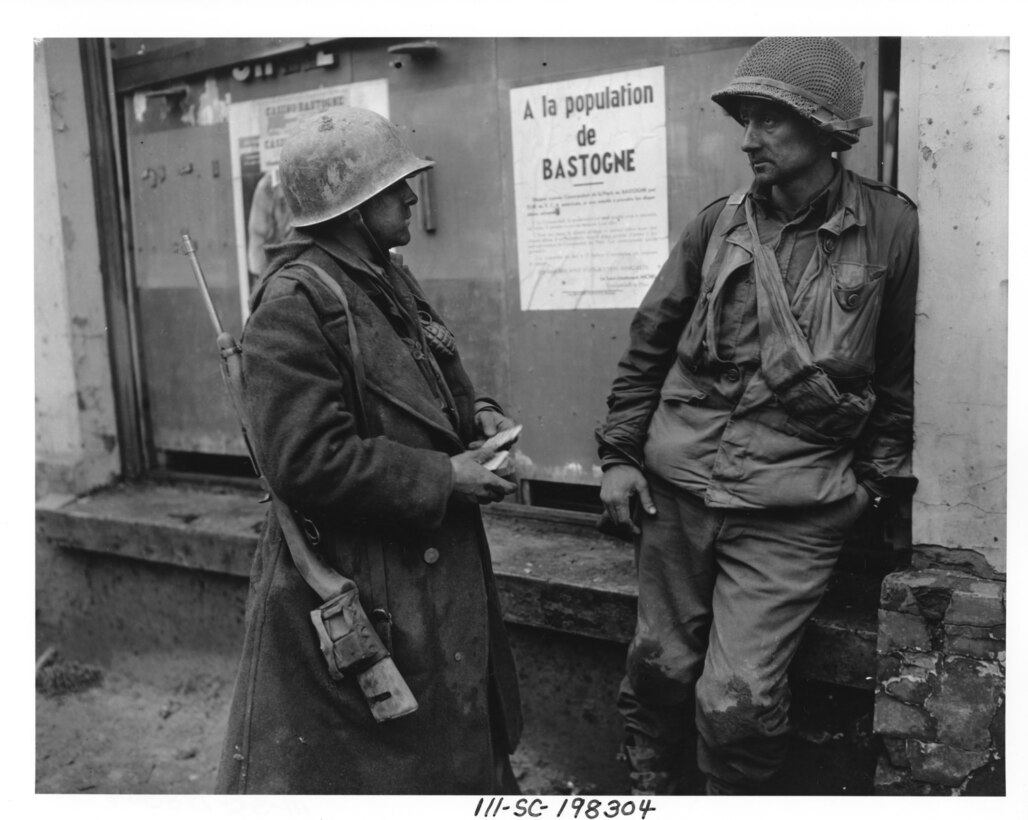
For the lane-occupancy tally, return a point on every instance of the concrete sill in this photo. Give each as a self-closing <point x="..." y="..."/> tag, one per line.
<point x="554" y="570"/>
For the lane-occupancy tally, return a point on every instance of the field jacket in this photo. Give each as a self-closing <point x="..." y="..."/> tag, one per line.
<point x="829" y="401"/>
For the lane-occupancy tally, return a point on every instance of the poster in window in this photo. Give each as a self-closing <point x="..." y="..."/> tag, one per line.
<point x="590" y="189"/>
<point x="257" y="129"/>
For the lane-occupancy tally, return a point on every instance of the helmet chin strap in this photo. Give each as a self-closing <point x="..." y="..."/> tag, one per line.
<point x="357" y="220"/>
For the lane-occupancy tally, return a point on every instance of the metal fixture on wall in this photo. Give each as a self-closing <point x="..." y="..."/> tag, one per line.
<point x="416" y="50"/>
<point x="425" y="197"/>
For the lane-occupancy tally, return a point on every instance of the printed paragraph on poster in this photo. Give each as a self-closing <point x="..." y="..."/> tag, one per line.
<point x="590" y="171"/>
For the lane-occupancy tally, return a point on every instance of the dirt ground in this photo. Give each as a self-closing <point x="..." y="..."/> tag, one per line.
<point x="131" y="736"/>
<point x="154" y="725"/>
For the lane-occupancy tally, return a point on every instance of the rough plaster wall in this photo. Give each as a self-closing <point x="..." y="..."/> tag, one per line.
<point x="957" y="91"/>
<point x="56" y="415"/>
<point x="76" y="433"/>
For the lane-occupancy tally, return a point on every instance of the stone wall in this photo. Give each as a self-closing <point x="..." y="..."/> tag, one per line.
<point x="939" y="706"/>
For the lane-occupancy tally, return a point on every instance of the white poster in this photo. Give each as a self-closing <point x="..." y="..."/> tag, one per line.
<point x="256" y="131"/>
<point x="590" y="189"/>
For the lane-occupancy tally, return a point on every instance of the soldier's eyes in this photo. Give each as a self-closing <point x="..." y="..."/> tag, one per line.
<point x="768" y="121"/>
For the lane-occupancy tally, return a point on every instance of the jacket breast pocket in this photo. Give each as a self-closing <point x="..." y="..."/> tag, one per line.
<point x="844" y="344"/>
<point x="855" y="284"/>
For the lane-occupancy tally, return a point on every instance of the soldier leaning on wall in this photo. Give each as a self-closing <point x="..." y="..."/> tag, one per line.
<point x="764" y="403"/>
<point x="365" y="419"/>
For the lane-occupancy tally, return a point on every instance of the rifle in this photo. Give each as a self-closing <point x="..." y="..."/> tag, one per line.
<point x="347" y="637"/>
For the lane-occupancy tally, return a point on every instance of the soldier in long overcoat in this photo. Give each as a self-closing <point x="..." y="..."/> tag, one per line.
<point x="362" y="416"/>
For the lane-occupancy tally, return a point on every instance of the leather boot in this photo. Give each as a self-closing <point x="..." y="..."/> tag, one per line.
<point x="650" y="771"/>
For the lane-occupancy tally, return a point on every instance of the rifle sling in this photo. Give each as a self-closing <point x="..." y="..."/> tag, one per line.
<point x="373" y="554"/>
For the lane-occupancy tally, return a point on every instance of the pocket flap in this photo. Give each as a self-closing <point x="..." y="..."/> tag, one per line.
<point x="678" y="387"/>
<point x="852" y="282"/>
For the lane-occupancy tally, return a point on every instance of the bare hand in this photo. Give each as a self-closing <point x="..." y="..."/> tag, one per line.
<point x="488" y="423"/>
<point x="473" y="482"/>
<point x="619" y="484"/>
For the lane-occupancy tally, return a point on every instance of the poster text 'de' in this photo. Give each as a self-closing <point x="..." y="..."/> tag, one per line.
<point x="590" y="188"/>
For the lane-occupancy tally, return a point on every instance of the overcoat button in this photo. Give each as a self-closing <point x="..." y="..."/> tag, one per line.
<point x="732" y="374"/>
<point x="853" y="299"/>
<point x="829" y="245"/>
<point x="431" y="555"/>
<point x="458" y="656"/>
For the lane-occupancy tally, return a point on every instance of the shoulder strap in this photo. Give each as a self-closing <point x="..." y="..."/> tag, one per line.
<point x="714" y="241"/>
<point x="881" y="186"/>
<point x="351" y="328"/>
<point x="373" y="553"/>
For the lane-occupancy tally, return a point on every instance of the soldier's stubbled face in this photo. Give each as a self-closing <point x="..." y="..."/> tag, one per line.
<point x="387" y="215"/>
<point x="780" y="144"/>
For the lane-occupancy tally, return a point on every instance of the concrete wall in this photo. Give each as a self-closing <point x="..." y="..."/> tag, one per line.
<point x="76" y="434"/>
<point x="941" y="677"/>
<point x="955" y="94"/>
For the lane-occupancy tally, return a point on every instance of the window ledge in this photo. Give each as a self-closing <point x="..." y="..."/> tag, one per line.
<point x="553" y="570"/>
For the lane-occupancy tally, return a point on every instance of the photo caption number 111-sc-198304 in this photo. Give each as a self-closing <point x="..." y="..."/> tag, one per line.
<point x="573" y="808"/>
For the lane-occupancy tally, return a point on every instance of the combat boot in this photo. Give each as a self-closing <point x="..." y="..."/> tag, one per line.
<point x="651" y="771"/>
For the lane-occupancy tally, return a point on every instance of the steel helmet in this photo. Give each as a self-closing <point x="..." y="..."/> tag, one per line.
<point x="333" y="161"/>
<point x="817" y="77"/>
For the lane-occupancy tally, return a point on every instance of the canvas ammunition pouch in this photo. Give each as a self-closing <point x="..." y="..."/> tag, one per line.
<point x="821" y="407"/>
<point x="348" y="639"/>
<point x="804" y="389"/>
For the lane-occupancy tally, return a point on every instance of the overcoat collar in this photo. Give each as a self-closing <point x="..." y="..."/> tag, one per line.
<point x="348" y="244"/>
<point x="390" y="370"/>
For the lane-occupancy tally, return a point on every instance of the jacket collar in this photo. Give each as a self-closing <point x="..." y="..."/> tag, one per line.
<point x="851" y="205"/>
<point x="846" y="204"/>
<point x="818" y="207"/>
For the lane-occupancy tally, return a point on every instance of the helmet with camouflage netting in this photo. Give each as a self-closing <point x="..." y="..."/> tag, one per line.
<point x="340" y="158"/>
<point x="817" y="77"/>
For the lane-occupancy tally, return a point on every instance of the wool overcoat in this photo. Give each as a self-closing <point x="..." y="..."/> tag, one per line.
<point x="376" y="483"/>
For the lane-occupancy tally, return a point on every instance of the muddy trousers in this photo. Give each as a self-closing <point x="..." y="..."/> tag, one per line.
<point x="724" y="596"/>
